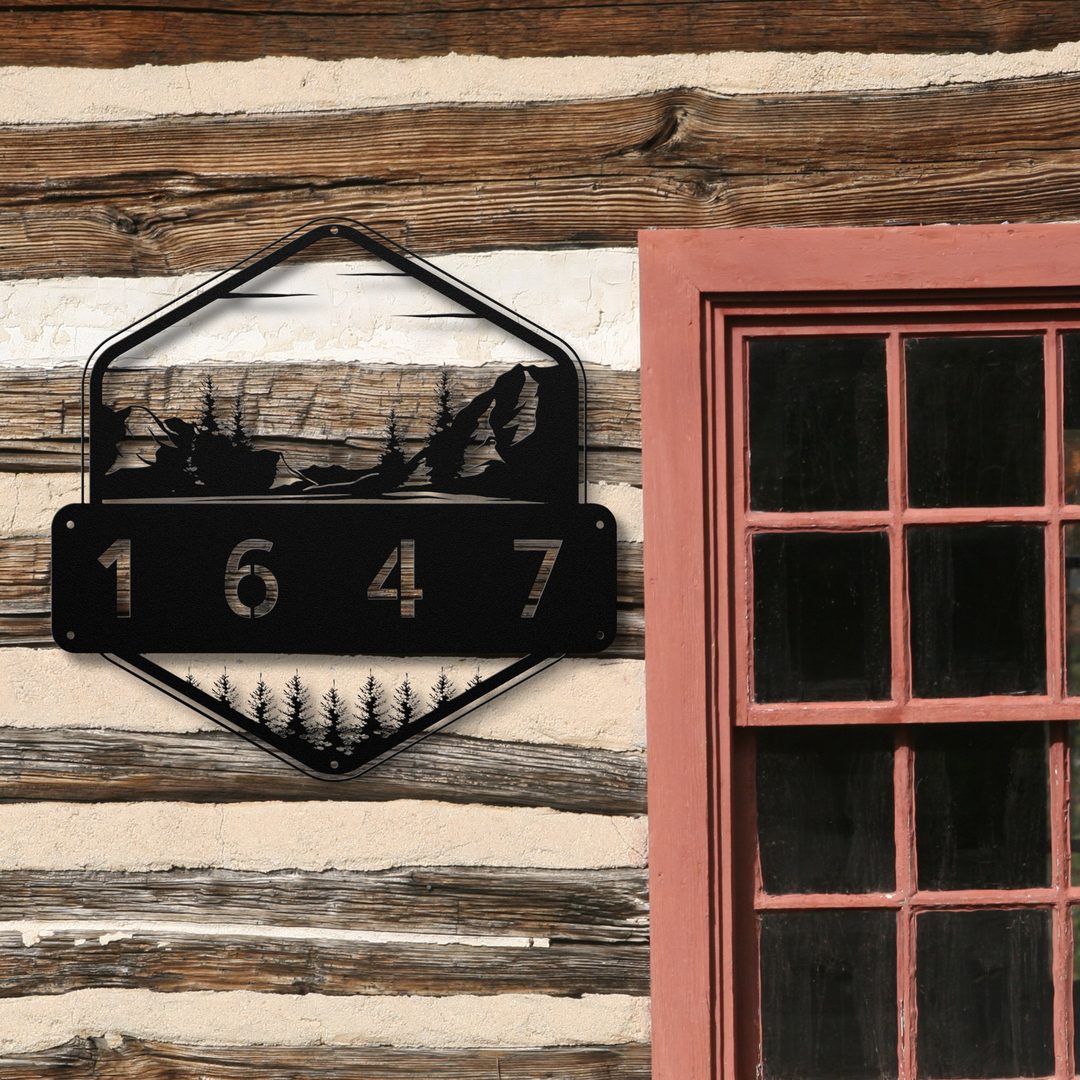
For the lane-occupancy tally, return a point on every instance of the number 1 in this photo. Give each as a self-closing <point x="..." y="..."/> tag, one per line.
<point x="119" y="554"/>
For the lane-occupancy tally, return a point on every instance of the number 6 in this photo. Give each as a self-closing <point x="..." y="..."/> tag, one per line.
<point x="234" y="575"/>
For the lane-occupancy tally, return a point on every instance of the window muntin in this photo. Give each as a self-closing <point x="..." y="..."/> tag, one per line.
<point x="968" y="662"/>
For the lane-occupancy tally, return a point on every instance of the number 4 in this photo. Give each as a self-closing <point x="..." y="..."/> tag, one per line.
<point x="407" y="593"/>
<point x="550" y="548"/>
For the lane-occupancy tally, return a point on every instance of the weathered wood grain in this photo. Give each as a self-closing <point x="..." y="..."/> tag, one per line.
<point x="77" y="765"/>
<point x="174" y="963"/>
<point x="326" y="413"/>
<point x="135" y="1059"/>
<point x="563" y="905"/>
<point x="172" y="196"/>
<point x="186" y="31"/>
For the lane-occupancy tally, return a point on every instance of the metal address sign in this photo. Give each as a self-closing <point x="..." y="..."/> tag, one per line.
<point x="197" y="536"/>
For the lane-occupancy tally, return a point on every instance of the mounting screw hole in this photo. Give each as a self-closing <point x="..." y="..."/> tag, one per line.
<point x="333" y="764"/>
<point x="333" y="229"/>
<point x="70" y="635"/>
<point x="599" y="524"/>
<point x="71" y="524"/>
<point x="599" y="635"/>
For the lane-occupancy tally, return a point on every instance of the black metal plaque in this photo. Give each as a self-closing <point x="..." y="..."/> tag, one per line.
<point x="197" y="535"/>
<point x="342" y="577"/>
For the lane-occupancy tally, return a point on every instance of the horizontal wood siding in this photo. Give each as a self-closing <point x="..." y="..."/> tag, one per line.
<point x="175" y="196"/>
<point x="563" y="905"/>
<point x="173" y="963"/>
<point x="128" y="33"/>
<point x="78" y="765"/>
<point x="331" y="412"/>
<point x="95" y="1059"/>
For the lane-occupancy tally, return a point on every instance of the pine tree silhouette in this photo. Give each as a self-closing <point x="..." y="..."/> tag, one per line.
<point x="369" y="705"/>
<point x="224" y="689"/>
<point x="262" y="705"/>
<point x="324" y="730"/>
<point x="392" y="468"/>
<point x="191" y="680"/>
<point x="208" y="417"/>
<point x="474" y="681"/>
<point x="405" y="707"/>
<point x="444" y="451"/>
<point x="239" y="435"/>
<point x="442" y="691"/>
<point x="297" y="706"/>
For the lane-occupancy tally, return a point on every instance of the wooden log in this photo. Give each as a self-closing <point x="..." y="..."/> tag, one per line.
<point x="172" y="196"/>
<point x="563" y="905"/>
<point x="173" y="963"/>
<point x="125" y="34"/>
<point x="77" y="765"/>
<point x="327" y="413"/>
<point x="135" y="1059"/>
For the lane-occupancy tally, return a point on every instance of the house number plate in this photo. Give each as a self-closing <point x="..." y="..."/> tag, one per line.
<point x="334" y="577"/>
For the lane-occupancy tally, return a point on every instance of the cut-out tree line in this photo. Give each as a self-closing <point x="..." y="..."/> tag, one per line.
<point x="336" y="723"/>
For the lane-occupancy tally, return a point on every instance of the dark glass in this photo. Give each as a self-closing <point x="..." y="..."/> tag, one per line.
<point x="1071" y="415"/>
<point x="825" y="809"/>
<point x="819" y="434"/>
<point x="1076" y="984"/>
<point x="975" y="421"/>
<point x="982" y="809"/>
<point x="821" y="616"/>
<point x="1072" y="609"/>
<point x="976" y="610"/>
<point x="985" y="994"/>
<point x="828" y="995"/>
<point x="1074" y="807"/>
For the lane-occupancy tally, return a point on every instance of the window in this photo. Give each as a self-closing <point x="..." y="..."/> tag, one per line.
<point x="863" y="651"/>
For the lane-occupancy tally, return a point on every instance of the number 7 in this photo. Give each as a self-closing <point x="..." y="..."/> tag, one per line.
<point x="550" y="548"/>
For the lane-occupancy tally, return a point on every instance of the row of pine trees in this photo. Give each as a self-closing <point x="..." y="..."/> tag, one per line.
<point x="335" y="724"/>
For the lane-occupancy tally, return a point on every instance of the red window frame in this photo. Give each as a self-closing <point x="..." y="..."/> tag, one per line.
<point x="702" y="292"/>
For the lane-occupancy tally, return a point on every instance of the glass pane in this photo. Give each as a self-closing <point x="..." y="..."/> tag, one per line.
<point x="975" y="421"/>
<point x="821" y="616"/>
<point x="1074" y="804"/>
<point x="1071" y="415"/>
<point x="828" y="995"/>
<point x="818" y="424"/>
<point x="1076" y="985"/>
<point x="982" y="809"/>
<point x="985" y="994"/>
<point x="825" y="809"/>
<point x="1072" y="608"/>
<point x="976" y="610"/>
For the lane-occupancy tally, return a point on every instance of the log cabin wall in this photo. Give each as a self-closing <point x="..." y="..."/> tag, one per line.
<point x="172" y="902"/>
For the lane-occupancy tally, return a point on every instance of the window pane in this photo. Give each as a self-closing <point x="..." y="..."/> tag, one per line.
<point x="982" y="810"/>
<point x="825" y="810"/>
<point x="1076" y="985"/>
<point x="1072" y="608"/>
<point x="821" y="616"/>
<point x="1074" y="803"/>
<point x="985" y="994"/>
<point x="818" y="424"/>
<point x="1071" y="415"/>
<point x="975" y="421"/>
<point x="976" y="610"/>
<point x="828" y="995"/>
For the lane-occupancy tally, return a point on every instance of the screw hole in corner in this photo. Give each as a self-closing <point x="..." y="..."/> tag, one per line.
<point x="71" y="524"/>
<point x="599" y="524"/>
<point x="599" y="635"/>
<point x="70" y="635"/>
